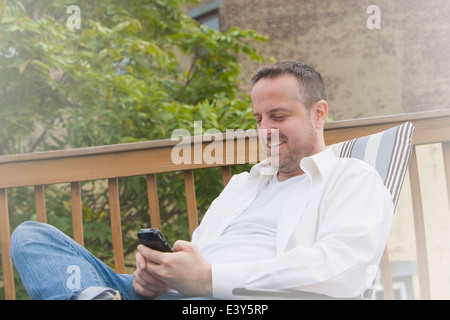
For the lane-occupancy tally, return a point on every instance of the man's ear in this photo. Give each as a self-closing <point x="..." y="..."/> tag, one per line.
<point x="319" y="112"/>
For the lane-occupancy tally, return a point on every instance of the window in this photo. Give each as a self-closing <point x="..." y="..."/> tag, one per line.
<point x="402" y="281"/>
<point x="207" y="14"/>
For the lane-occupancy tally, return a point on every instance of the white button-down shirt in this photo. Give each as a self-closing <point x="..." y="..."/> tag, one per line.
<point x="330" y="235"/>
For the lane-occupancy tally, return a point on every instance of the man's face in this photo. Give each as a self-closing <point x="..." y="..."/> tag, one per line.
<point x="279" y="109"/>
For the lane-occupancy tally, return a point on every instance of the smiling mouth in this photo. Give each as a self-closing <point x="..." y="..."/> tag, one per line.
<point x="274" y="144"/>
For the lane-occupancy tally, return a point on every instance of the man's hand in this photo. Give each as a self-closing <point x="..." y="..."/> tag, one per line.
<point x="184" y="270"/>
<point x="144" y="283"/>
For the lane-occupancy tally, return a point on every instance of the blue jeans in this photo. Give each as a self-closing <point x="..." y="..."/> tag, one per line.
<point x="53" y="266"/>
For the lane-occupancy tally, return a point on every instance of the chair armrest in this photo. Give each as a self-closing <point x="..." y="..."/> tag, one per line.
<point x="284" y="294"/>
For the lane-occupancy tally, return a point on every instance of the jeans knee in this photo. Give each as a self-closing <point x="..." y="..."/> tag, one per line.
<point x="26" y="233"/>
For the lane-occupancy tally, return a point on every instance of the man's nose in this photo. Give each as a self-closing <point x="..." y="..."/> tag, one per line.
<point x="267" y="132"/>
<point x="266" y="126"/>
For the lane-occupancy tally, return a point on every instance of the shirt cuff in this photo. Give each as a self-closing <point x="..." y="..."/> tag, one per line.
<point x="225" y="278"/>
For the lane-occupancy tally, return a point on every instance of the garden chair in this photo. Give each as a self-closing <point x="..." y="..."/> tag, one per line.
<point x="389" y="152"/>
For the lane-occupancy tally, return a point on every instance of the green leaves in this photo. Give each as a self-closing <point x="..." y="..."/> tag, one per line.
<point x="135" y="70"/>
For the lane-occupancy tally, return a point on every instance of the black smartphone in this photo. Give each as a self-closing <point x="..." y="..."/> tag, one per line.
<point x="154" y="239"/>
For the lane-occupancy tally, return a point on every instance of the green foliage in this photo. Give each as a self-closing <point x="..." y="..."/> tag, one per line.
<point x="118" y="78"/>
<point x="135" y="70"/>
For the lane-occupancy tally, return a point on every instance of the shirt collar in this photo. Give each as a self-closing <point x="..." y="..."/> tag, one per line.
<point x="314" y="165"/>
<point x="319" y="163"/>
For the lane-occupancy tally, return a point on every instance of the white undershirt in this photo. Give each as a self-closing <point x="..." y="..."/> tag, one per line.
<point x="252" y="235"/>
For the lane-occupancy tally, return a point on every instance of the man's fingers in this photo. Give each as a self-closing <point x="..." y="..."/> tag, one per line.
<point x="140" y="261"/>
<point x="147" y="280"/>
<point x="142" y="272"/>
<point x="147" y="292"/>
<point x="144" y="283"/>
<point x="151" y="255"/>
<point x="181" y="245"/>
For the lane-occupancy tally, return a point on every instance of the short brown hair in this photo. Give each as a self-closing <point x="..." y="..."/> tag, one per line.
<point x="312" y="86"/>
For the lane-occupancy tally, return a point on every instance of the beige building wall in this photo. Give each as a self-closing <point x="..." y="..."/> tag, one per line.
<point x="402" y="67"/>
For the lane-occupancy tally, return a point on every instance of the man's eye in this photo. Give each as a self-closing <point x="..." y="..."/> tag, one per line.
<point x="279" y="118"/>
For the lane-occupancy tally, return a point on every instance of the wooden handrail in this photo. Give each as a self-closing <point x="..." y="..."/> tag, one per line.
<point x="430" y="127"/>
<point x="426" y="125"/>
<point x="94" y="163"/>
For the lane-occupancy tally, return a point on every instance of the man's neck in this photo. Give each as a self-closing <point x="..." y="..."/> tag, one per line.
<point x="283" y="176"/>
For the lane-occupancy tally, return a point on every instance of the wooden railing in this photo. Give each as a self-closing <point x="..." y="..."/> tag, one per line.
<point x="150" y="158"/>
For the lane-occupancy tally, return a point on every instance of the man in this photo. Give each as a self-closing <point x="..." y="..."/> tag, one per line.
<point x="301" y="220"/>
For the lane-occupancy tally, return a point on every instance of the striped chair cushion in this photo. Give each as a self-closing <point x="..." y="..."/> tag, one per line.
<point x="388" y="151"/>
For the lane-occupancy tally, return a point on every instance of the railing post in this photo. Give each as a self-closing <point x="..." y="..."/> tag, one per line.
<point x="77" y="215"/>
<point x="8" y="273"/>
<point x="446" y="155"/>
<point x="116" y="225"/>
<point x="191" y="200"/>
<point x="419" y="225"/>
<point x="226" y="175"/>
<point x="153" y="202"/>
<point x="386" y="276"/>
<point x="41" y="211"/>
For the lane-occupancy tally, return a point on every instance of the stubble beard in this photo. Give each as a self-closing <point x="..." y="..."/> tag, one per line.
<point x="290" y="161"/>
